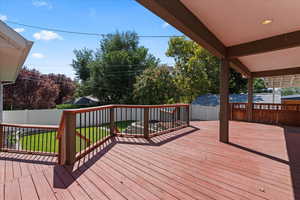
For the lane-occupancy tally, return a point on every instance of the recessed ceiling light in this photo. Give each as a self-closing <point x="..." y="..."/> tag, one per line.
<point x="267" y="21"/>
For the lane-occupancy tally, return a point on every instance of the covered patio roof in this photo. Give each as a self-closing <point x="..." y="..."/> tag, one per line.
<point x="260" y="38"/>
<point x="13" y="52"/>
<point x="256" y="38"/>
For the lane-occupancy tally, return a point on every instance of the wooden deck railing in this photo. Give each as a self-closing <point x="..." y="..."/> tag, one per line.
<point x="83" y="130"/>
<point x="279" y="114"/>
<point x="30" y="139"/>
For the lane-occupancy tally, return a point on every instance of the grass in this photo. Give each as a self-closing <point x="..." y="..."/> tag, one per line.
<point x="47" y="142"/>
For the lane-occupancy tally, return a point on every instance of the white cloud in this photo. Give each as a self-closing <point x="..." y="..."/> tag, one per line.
<point x="165" y="25"/>
<point x="47" y="35"/>
<point x="38" y="55"/>
<point x="3" y="17"/>
<point x="19" y="30"/>
<point x="39" y="3"/>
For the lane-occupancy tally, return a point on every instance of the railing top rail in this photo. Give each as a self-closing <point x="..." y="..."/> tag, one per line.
<point x="152" y="106"/>
<point x="30" y="126"/>
<point x="270" y="104"/>
<point x="82" y="110"/>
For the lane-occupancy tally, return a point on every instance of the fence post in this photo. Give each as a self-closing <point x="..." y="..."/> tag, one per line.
<point x="112" y="121"/>
<point x="146" y="123"/>
<point x="68" y="140"/>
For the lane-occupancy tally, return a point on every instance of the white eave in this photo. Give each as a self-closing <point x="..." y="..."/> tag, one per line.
<point x="14" y="50"/>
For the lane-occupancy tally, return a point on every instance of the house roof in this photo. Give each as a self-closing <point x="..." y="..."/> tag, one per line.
<point x="291" y="97"/>
<point x="86" y="100"/>
<point x="214" y="99"/>
<point x="259" y="37"/>
<point x="13" y="52"/>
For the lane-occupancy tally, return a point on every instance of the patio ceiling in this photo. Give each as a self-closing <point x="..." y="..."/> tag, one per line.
<point x="259" y="37"/>
<point x="13" y="52"/>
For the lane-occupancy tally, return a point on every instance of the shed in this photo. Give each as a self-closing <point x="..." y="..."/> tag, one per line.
<point x="86" y="101"/>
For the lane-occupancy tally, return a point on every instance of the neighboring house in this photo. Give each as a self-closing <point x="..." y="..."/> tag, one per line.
<point x="86" y="101"/>
<point x="214" y="99"/>
<point x="291" y="99"/>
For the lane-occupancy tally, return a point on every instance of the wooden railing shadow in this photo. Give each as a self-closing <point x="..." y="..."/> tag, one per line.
<point x="292" y="140"/>
<point x="158" y="140"/>
<point x="259" y="153"/>
<point x="64" y="176"/>
<point x="27" y="158"/>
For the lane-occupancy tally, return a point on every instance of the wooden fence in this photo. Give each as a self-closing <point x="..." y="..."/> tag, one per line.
<point x="279" y="114"/>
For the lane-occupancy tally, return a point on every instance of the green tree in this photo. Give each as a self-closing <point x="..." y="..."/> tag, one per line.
<point x="197" y="70"/>
<point x="155" y="86"/>
<point x="259" y="85"/>
<point x="80" y="64"/>
<point x="110" y="73"/>
<point x="237" y="84"/>
<point x="191" y="77"/>
<point x="290" y="91"/>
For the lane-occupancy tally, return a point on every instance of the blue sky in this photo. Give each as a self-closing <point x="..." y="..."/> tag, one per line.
<point x="53" y="51"/>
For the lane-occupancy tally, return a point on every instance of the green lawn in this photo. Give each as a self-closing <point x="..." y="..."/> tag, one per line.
<point x="47" y="142"/>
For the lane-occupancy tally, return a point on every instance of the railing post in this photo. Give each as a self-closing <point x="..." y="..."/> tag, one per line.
<point x="188" y="115"/>
<point x="231" y="111"/>
<point x="178" y="114"/>
<point x="68" y="140"/>
<point x="112" y="121"/>
<point x="146" y="123"/>
<point x="1" y="137"/>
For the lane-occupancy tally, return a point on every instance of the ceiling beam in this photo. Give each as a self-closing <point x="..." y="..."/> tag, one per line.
<point x="284" y="41"/>
<point x="240" y="67"/>
<point x="279" y="72"/>
<point x="176" y="14"/>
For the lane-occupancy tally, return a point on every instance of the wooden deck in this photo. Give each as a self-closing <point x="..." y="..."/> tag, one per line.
<point x="261" y="162"/>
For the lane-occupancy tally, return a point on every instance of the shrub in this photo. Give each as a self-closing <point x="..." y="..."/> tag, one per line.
<point x="69" y="106"/>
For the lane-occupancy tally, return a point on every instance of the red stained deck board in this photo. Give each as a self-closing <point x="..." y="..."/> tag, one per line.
<point x="261" y="162"/>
